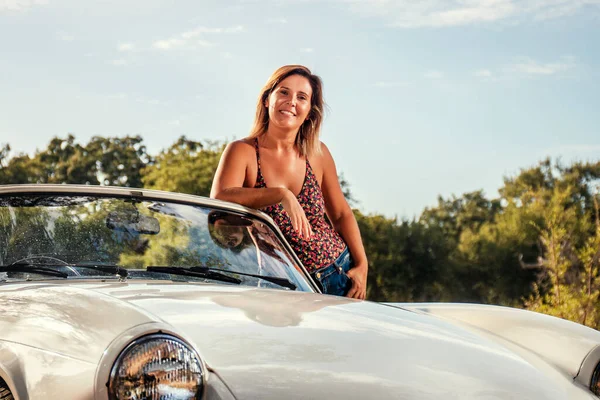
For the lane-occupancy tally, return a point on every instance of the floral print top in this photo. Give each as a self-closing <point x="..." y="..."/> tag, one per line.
<point x="325" y="245"/>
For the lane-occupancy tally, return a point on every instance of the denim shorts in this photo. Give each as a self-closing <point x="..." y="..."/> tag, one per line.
<point x="332" y="279"/>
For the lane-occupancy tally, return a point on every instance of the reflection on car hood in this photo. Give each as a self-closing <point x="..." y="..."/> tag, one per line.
<point x="277" y="344"/>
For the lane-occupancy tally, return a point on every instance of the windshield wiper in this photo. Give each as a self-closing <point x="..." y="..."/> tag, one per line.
<point x="217" y="273"/>
<point x="189" y="272"/>
<point x="108" y="268"/>
<point x="32" y="268"/>
<point x="273" y="279"/>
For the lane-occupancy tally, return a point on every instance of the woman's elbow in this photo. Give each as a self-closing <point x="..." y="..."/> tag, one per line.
<point x="231" y="195"/>
<point x="342" y="215"/>
<point x="218" y="194"/>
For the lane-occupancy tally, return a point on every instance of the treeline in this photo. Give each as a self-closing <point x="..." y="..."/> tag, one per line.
<point x="536" y="245"/>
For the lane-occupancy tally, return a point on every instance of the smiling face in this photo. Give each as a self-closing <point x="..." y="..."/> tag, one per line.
<point x="290" y="102"/>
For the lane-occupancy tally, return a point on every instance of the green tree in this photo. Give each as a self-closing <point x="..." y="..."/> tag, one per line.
<point x="571" y="286"/>
<point x="110" y="161"/>
<point x="589" y="255"/>
<point x="457" y="214"/>
<point x="64" y="161"/>
<point x="118" y="160"/>
<point x="15" y="170"/>
<point x="407" y="261"/>
<point x="187" y="167"/>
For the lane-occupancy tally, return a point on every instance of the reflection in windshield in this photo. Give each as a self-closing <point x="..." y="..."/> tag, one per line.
<point x="134" y="234"/>
<point x="239" y="234"/>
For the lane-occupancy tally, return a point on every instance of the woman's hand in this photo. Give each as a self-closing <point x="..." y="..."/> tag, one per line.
<point x="358" y="277"/>
<point x="297" y="216"/>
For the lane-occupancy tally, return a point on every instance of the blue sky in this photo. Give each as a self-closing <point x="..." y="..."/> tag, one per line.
<point x="426" y="98"/>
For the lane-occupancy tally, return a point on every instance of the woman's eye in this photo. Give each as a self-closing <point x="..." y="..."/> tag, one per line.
<point x="283" y="91"/>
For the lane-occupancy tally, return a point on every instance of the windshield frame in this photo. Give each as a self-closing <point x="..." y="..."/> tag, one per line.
<point x="147" y="195"/>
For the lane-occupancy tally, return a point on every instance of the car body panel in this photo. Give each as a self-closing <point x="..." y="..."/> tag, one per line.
<point x="538" y="333"/>
<point x="65" y="319"/>
<point x="298" y="345"/>
<point x="35" y="373"/>
<point x="59" y="338"/>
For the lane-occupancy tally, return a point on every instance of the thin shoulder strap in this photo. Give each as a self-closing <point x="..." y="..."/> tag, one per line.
<point x="260" y="181"/>
<point x="257" y="154"/>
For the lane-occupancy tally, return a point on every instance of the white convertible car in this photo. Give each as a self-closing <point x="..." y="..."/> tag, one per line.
<point x="116" y="293"/>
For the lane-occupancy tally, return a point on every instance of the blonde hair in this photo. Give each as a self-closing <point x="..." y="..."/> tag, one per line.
<point x="307" y="138"/>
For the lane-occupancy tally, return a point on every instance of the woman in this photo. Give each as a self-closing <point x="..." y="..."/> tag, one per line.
<point x="284" y="170"/>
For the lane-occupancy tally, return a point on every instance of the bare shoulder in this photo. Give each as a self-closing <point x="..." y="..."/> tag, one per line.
<point x="325" y="158"/>
<point x="322" y="162"/>
<point x="235" y="167"/>
<point x="241" y="150"/>
<point x="241" y="146"/>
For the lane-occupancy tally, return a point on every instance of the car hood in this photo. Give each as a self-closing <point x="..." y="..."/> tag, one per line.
<point x="281" y="344"/>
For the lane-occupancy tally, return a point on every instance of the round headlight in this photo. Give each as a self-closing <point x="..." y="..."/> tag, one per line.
<point x="595" y="385"/>
<point x="156" y="367"/>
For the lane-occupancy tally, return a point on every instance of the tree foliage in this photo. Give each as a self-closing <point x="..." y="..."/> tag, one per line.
<point x="187" y="167"/>
<point x="535" y="245"/>
<point x="107" y="161"/>
<point x="569" y="262"/>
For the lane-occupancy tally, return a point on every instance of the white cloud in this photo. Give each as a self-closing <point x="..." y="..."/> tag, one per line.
<point x="65" y="37"/>
<point x="532" y="67"/>
<point x="483" y="73"/>
<point x="526" y="66"/>
<point x="390" y="84"/>
<point x="168" y="44"/>
<point x="19" y="5"/>
<point x="175" y="43"/>
<point x="573" y="150"/>
<point x="277" y="21"/>
<point x="204" y="30"/>
<point x="447" y="13"/>
<point x="307" y="50"/>
<point x="190" y="39"/>
<point x="203" y="43"/>
<point x="486" y="75"/>
<point x="119" y="96"/>
<point x="559" y="8"/>
<point x="126" y="47"/>
<point x="150" y="101"/>
<point x="118" y="63"/>
<point x="433" y="74"/>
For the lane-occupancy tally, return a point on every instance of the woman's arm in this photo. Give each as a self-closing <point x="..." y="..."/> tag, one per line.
<point x="228" y="185"/>
<point x="343" y="220"/>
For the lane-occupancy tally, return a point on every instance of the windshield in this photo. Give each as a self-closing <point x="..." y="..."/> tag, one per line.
<point x="68" y="233"/>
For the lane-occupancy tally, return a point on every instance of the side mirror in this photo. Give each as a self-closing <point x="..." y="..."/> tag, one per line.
<point x="132" y="221"/>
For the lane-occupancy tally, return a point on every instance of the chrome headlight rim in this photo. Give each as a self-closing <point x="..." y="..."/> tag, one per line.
<point x="146" y="338"/>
